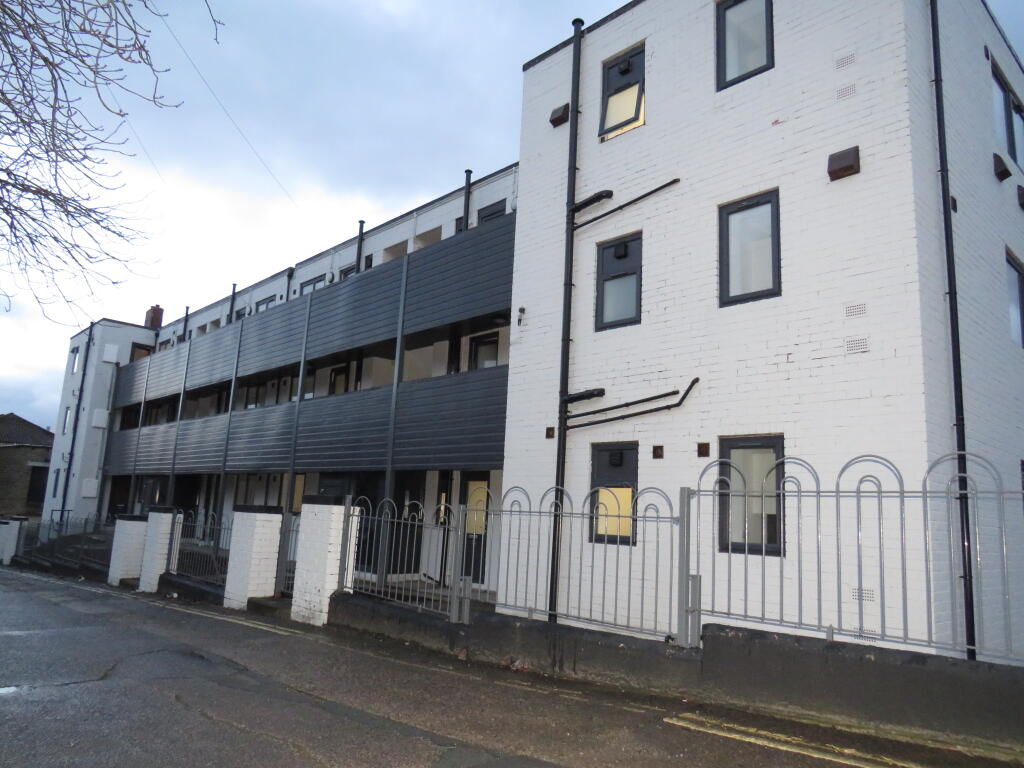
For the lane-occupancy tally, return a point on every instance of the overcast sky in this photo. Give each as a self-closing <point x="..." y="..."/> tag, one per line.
<point x="361" y="109"/>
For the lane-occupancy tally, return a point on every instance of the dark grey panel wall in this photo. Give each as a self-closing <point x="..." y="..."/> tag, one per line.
<point x="261" y="439"/>
<point x="273" y="338"/>
<point x="359" y="311"/>
<point x="156" y="447"/>
<point x="165" y="371"/>
<point x="344" y="432"/>
<point x="201" y="444"/>
<point x="464" y="276"/>
<point x="452" y="421"/>
<point x="213" y="357"/>
<point x="121" y="452"/>
<point x="130" y="384"/>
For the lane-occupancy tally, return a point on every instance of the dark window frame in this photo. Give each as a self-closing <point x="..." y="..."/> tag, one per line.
<point x="1011" y="106"/>
<point x="721" y="81"/>
<point x="611" y="85"/>
<point x="725" y="299"/>
<point x="603" y="538"/>
<point x="312" y="284"/>
<point x="264" y="304"/>
<point x="56" y="482"/>
<point x="604" y="275"/>
<point x="1018" y="267"/>
<point x="725" y="447"/>
<point x="332" y="379"/>
<point x="491" y="212"/>
<point x="475" y="342"/>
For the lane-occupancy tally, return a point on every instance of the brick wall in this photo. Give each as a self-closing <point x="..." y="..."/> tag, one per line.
<point x="15" y="471"/>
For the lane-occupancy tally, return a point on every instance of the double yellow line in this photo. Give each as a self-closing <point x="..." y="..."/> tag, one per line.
<point x="786" y="743"/>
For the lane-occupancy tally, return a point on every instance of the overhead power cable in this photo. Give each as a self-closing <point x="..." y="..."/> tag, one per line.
<point x="224" y="109"/>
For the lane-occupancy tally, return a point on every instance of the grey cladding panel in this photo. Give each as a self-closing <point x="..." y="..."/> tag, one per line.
<point x="201" y="444"/>
<point x="121" y="452"/>
<point x="261" y="439"/>
<point x="156" y="447"/>
<point x="165" y="372"/>
<point x="213" y="357"/>
<point x="452" y="421"/>
<point x="344" y="432"/>
<point x="130" y="385"/>
<point x="464" y="276"/>
<point x="361" y="310"/>
<point x="273" y="339"/>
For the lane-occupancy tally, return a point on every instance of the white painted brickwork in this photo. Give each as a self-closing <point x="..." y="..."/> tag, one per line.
<point x="127" y="551"/>
<point x="9" y="530"/>
<point x="318" y="562"/>
<point x="836" y="383"/>
<point x="252" y="566"/>
<point x="154" y="554"/>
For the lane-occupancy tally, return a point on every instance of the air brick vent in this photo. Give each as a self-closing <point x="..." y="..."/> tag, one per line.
<point x="863" y="595"/>
<point x="846" y="91"/>
<point x="856" y="344"/>
<point x="856" y="310"/>
<point x="845" y="60"/>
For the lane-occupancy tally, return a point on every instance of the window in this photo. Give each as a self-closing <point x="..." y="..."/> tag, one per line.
<point x="337" y="383"/>
<point x="748" y="249"/>
<point x="163" y="345"/>
<point x="312" y="285"/>
<point x="1008" y="117"/>
<point x="483" y="351"/>
<point x="74" y="359"/>
<point x="139" y="351"/>
<point x="201" y="330"/>
<point x="623" y="101"/>
<point x="368" y="261"/>
<point x="56" y="481"/>
<point x="490" y="212"/>
<point x="239" y="314"/>
<point x="67" y="419"/>
<point x="1015" y="294"/>
<point x="346" y="273"/>
<point x="744" y="40"/>
<point x="618" y="283"/>
<point x="750" y="519"/>
<point x="613" y="468"/>
<point x="264" y="304"/>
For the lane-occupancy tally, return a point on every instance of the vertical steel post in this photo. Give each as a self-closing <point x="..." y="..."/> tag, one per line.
<point x="683" y="605"/>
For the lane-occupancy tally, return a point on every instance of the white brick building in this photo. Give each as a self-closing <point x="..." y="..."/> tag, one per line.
<point x="851" y="354"/>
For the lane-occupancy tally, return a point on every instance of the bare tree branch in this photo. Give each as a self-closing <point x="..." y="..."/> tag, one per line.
<point x="62" y="64"/>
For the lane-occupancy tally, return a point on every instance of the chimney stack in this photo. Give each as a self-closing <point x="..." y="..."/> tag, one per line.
<point x="154" y="317"/>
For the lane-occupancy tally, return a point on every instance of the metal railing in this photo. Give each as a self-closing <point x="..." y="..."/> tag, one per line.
<point x="200" y="547"/>
<point x="619" y="569"/>
<point x="865" y="559"/>
<point x="291" y="551"/>
<point x="69" y="540"/>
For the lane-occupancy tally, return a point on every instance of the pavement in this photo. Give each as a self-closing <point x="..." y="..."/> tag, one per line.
<point x="94" y="676"/>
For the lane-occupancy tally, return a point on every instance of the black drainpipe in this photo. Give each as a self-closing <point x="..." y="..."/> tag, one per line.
<point x="74" y="424"/>
<point x="563" y="376"/>
<point x="184" y="327"/>
<point x="954" y="334"/>
<point x="465" y="199"/>
<point x="288" y="284"/>
<point x="359" y="247"/>
<point x="231" y="306"/>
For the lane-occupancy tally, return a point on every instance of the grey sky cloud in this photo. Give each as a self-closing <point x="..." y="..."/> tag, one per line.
<point x="362" y="109"/>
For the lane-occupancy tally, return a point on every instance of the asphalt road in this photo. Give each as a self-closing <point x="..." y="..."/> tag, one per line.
<point x="91" y="676"/>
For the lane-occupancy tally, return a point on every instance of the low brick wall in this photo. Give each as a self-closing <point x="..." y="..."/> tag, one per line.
<point x="905" y="693"/>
